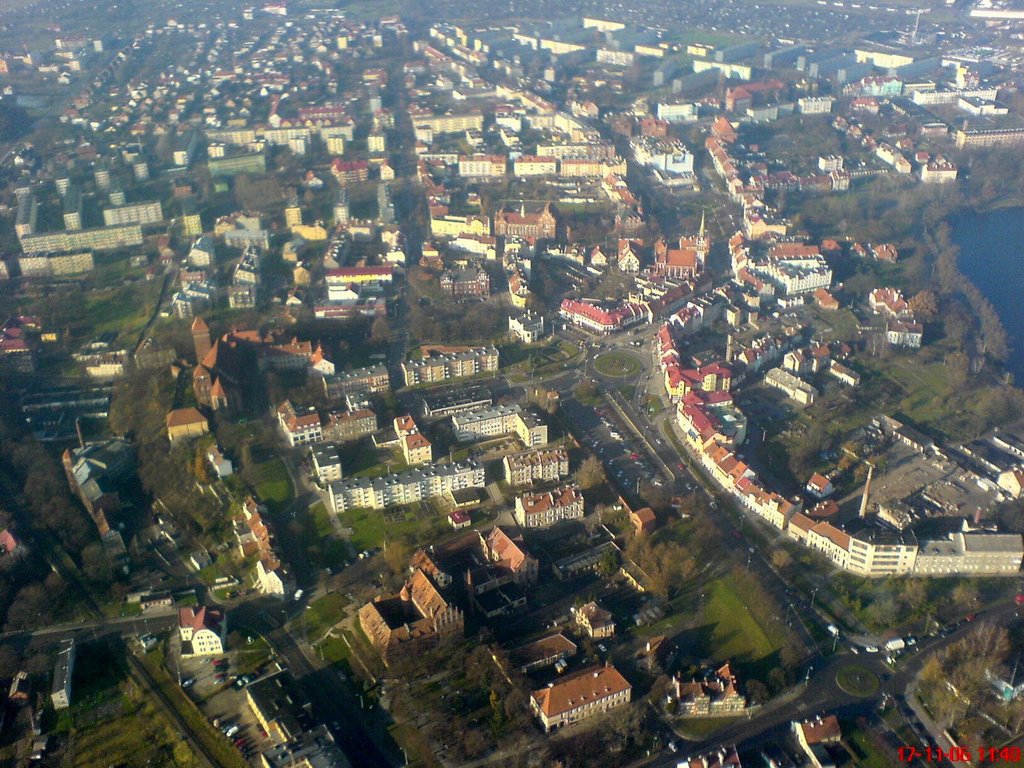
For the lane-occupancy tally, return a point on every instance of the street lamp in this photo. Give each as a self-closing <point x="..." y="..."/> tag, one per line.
<point x="813" y="593"/>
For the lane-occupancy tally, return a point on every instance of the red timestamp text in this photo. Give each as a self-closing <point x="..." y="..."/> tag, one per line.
<point x="955" y="754"/>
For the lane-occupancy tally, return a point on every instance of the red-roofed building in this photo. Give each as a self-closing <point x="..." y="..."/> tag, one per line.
<point x="350" y="171"/>
<point x="587" y="693"/>
<point x="521" y="222"/>
<point x="539" y="510"/>
<point x="819" y="486"/>
<point x="599" y="320"/>
<point x="9" y="545"/>
<point x="643" y="520"/>
<point x="299" y="428"/>
<point x="202" y="630"/>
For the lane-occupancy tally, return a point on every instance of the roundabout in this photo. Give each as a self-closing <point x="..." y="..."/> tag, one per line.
<point x="858" y="681"/>
<point x="616" y="364"/>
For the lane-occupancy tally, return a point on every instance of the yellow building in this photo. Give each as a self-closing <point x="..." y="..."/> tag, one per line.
<point x="310" y="232"/>
<point x="183" y="423"/>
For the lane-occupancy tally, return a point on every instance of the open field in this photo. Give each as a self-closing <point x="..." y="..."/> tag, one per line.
<point x="736" y="635"/>
<point x="273" y="485"/>
<point x="370" y="526"/>
<point x="111" y="722"/>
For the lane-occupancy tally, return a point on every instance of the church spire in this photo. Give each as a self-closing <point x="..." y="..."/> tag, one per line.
<point x="701" y="235"/>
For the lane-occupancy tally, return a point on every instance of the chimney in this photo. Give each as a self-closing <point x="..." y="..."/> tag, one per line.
<point x="729" y="351"/>
<point x="867" y="489"/>
<point x="78" y="431"/>
<point x="977" y="516"/>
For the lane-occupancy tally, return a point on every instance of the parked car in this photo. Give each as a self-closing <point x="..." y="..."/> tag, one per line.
<point x="870" y="649"/>
<point x="187" y="683"/>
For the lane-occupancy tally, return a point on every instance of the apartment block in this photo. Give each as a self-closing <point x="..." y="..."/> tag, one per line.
<point x="451" y="365"/>
<point x="405" y="487"/>
<point x="536" y="466"/>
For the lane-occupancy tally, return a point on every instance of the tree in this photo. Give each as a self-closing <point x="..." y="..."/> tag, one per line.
<point x="924" y="305"/>
<point x="585" y="390"/>
<point x="380" y="331"/>
<point x="965" y="596"/>
<point x="96" y="565"/>
<point x="781" y="559"/>
<point x="14" y="121"/>
<point x="757" y="692"/>
<point x="396" y="554"/>
<point x="591" y="473"/>
<point x="608" y="563"/>
<point x="200" y="467"/>
<point x="914" y="595"/>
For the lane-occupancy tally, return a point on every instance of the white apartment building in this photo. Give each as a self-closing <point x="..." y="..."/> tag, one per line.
<point x="405" y="487"/>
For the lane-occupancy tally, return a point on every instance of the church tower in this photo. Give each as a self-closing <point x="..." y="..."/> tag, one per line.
<point x="201" y="338"/>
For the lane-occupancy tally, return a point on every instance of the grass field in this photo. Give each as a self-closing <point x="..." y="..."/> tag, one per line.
<point x="323" y="546"/>
<point x="123" y="310"/>
<point x="858" y="681"/>
<point x="273" y="485"/>
<point x="865" y="747"/>
<point x="616" y="364"/>
<point x="736" y="635"/>
<point x="323" y="613"/>
<point x="111" y="722"/>
<point x="369" y="527"/>
<point x="698" y="729"/>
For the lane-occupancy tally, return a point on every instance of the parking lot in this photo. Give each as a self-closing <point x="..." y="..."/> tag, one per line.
<point x="621" y="453"/>
<point x="214" y="684"/>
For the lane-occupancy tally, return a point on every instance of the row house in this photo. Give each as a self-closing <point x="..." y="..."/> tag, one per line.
<point x="497" y="421"/>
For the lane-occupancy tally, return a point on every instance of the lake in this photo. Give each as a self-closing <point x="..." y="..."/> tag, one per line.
<point x="992" y="257"/>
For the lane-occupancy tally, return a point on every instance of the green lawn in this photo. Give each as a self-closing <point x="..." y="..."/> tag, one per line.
<point x="698" y="729"/>
<point x="273" y="484"/>
<point x="737" y="635"/>
<point x="131" y="732"/>
<point x="322" y="614"/>
<point x="323" y="546"/>
<point x="616" y="364"/>
<point x="369" y="527"/>
<point x="858" y="681"/>
<point x="865" y="747"/>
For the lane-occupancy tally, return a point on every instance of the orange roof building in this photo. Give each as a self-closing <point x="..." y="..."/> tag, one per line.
<point x="587" y="693"/>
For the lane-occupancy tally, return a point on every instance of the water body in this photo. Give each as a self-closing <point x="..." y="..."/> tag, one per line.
<point x="992" y="257"/>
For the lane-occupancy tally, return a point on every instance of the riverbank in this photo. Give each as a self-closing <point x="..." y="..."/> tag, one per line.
<point x="990" y="255"/>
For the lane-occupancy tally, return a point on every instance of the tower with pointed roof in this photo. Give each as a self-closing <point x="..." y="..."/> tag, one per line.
<point x="201" y="338"/>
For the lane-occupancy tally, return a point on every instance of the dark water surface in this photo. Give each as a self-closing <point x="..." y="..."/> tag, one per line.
<point x="992" y="257"/>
